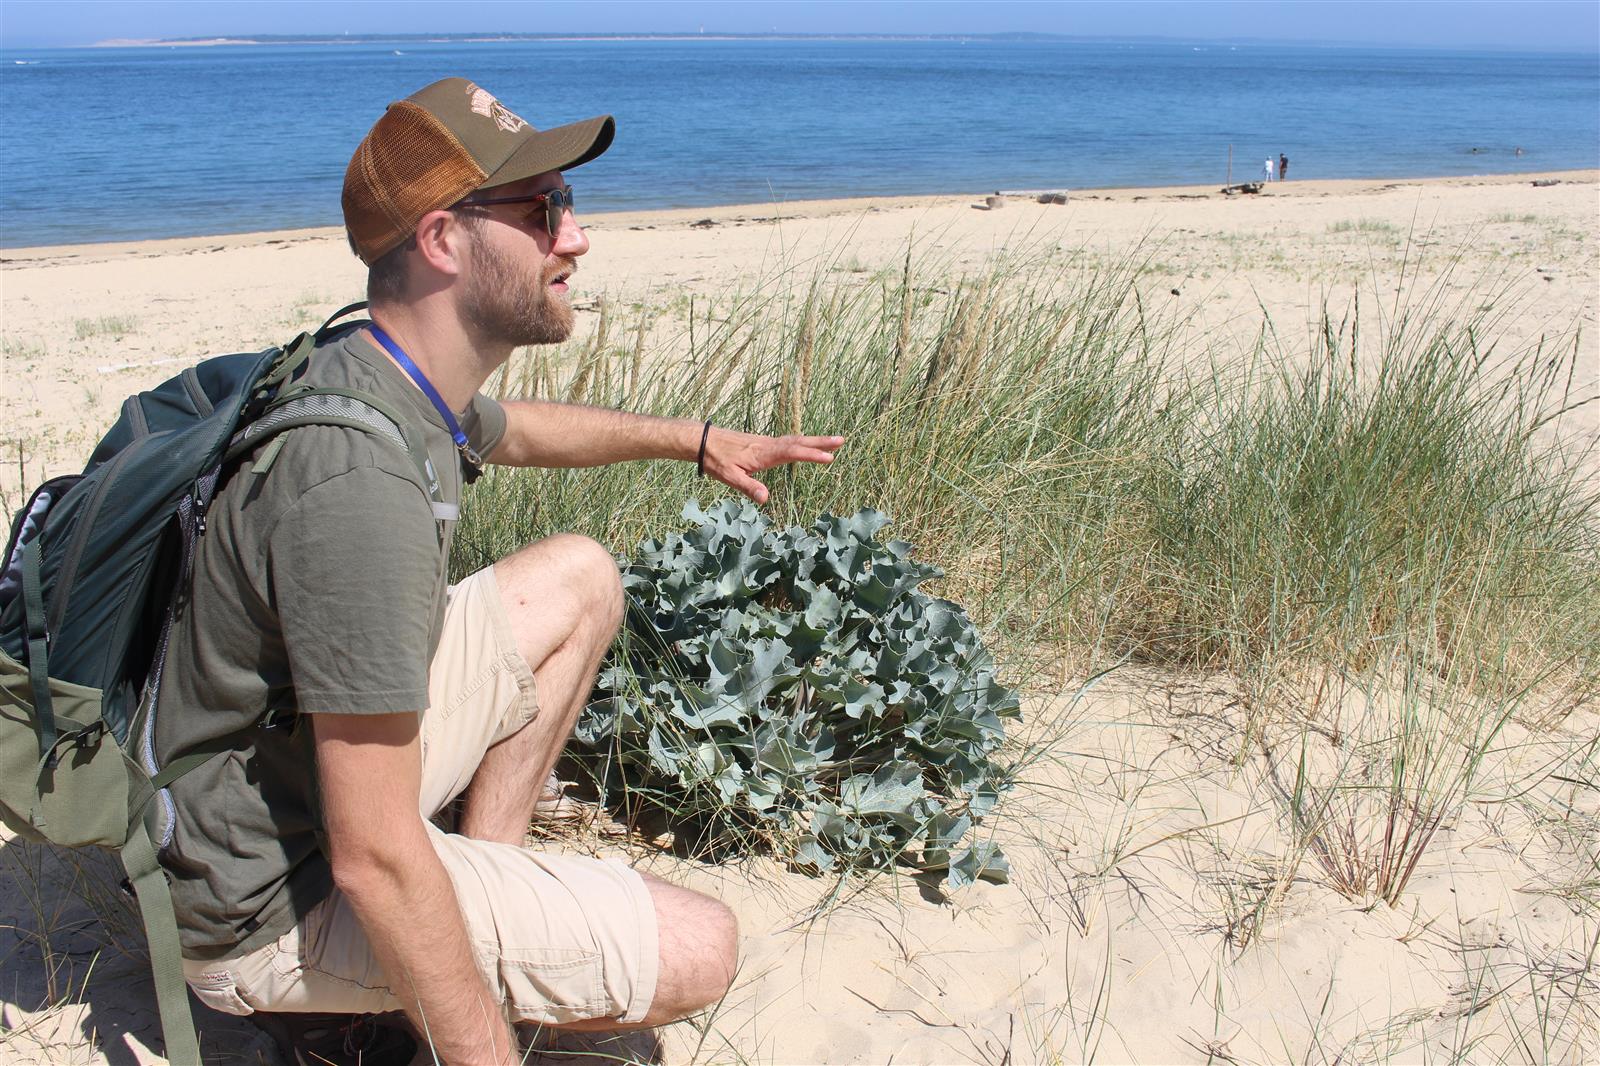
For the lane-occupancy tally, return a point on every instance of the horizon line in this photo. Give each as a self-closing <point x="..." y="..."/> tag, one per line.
<point x="1013" y="36"/>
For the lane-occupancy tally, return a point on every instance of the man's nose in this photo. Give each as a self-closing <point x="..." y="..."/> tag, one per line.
<point x="571" y="239"/>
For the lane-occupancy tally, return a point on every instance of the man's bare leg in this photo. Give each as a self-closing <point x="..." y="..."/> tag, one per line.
<point x="699" y="948"/>
<point x="564" y="599"/>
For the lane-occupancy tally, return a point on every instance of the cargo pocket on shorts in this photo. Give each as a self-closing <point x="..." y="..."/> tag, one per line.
<point x="549" y="985"/>
<point x="219" y="990"/>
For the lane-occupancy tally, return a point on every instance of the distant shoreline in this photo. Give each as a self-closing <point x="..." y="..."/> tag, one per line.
<point x="534" y="38"/>
<point x="265" y="39"/>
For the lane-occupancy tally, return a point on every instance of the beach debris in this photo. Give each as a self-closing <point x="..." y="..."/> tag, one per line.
<point x="1175" y="292"/>
<point x="1242" y="187"/>
<point x="995" y="202"/>
<point x="704" y="223"/>
<point x="1052" y="198"/>
<point x="1545" y="183"/>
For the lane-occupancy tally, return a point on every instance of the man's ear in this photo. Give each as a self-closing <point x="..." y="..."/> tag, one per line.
<point x="442" y="241"/>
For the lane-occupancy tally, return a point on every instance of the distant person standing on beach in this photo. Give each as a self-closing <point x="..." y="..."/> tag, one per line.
<point x="1266" y="169"/>
<point x="1283" y="167"/>
<point x="320" y="876"/>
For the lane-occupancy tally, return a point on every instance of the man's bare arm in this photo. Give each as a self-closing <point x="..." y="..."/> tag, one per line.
<point x="370" y="769"/>
<point x="540" y="433"/>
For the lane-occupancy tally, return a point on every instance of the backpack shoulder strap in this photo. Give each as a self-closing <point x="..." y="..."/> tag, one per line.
<point x="149" y="883"/>
<point x="292" y="356"/>
<point x="38" y="653"/>
<point x="322" y="330"/>
<point x="329" y="406"/>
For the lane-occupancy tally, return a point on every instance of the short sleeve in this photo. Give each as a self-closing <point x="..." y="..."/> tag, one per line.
<point x="485" y="425"/>
<point x="354" y="569"/>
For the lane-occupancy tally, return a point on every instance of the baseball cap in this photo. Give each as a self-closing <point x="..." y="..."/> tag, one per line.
<point x="441" y="143"/>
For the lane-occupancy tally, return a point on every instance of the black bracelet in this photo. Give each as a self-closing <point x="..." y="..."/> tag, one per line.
<point x="700" y="463"/>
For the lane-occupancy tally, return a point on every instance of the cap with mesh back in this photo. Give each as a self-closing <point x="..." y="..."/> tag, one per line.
<point x="441" y="143"/>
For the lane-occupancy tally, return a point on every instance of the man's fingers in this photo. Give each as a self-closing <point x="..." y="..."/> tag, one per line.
<point x="763" y="453"/>
<point x="736" y="476"/>
<point x="801" y="450"/>
<point x="815" y="444"/>
<point x="749" y="486"/>
<point x="827" y="444"/>
<point x="797" y="455"/>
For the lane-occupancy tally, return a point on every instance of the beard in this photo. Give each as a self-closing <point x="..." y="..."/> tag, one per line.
<point x="508" y="303"/>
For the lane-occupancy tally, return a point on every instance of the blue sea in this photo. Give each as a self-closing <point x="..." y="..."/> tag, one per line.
<point x="123" y="143"/>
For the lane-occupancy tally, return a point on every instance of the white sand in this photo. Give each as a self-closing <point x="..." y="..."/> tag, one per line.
<point x="1161" y="910"/>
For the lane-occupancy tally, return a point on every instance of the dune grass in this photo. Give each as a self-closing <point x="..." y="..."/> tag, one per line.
<point x="1093" y="487"/>
<point x="1388" y="758"/>
<point x="1365" y="225"/>
<point x="113" y="326"/>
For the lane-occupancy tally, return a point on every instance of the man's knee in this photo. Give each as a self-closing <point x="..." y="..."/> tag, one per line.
<point x="591" y="568"/>
<point x="580" y="568"/>
<point x="699" y="951"/>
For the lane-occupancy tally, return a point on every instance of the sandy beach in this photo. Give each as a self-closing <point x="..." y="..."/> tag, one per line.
<point x="85" y="325"/>
<point x="1158" y="911"/>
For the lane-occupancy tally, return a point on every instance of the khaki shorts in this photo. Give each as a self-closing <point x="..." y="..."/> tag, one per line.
<point x="560" y="937"/>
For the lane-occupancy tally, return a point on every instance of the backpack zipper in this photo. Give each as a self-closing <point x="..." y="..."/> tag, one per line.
<point x="135" y="416"/>
<point x="197" y="394"/>
<point x="80" y="537"/>
<point x="191" y="527"/>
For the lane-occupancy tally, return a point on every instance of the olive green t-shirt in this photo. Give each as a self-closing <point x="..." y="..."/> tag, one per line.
<point x="318" y="587"/>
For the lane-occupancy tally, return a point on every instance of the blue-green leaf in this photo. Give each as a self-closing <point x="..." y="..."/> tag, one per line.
<point x="980" y="861"/>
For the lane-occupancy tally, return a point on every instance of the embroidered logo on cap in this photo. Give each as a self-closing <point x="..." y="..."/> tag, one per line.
<point x="484" y="103"/>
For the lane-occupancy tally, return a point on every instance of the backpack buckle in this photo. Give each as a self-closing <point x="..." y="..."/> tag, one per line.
<point x="89" y="736"/>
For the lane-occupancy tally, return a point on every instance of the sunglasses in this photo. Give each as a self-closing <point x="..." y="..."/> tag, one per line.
<point x="555" y="203"/>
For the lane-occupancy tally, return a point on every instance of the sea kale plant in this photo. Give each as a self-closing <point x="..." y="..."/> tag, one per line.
<point x="795" y="687"/>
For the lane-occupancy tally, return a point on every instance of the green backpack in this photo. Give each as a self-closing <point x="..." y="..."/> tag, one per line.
<point x="96" y="568"/>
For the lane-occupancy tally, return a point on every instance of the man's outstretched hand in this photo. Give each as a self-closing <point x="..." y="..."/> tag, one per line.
<point x="732" y="457"/>
<point x="571" y="436"/>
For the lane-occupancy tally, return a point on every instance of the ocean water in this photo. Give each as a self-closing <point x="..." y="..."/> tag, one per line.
<point x="114" y="144"/>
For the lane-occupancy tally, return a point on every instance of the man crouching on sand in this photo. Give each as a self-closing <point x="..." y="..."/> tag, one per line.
<point x="307" y="875"/>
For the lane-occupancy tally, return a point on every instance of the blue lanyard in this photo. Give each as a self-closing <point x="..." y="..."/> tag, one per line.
<point x="415" y="373"/>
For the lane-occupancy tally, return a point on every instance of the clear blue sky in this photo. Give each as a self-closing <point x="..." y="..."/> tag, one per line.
<point x="1519" y="24"/>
